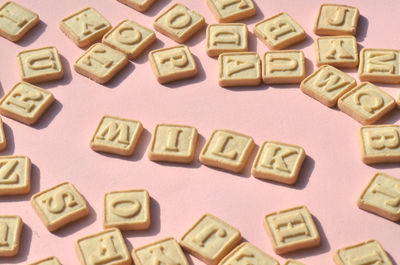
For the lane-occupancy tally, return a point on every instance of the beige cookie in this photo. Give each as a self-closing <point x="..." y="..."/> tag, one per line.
<point x="292" y="262"/>
<point x="85" y="26"/>
<point x="379" y="65"/>
<point x="239" y="69"/>
<point x="47" y="261"/>
<point x="380" y="143"/>
<point x="247" y="253"/>
<point x="116" y="135"/>
<point x="327" y="84"/>
<point x="227" y="150"/>
<point x="127" y="210"/>
<point x="366" y="103"/>
<point x="210" y="239"/>
<point x="336" y="19"/>
<point x="16" y="21"/>
<point x="3" y="141"/>
<point x="279" y="31"/>
<point x="130" y="38"/>
<point x="231" y="11"/>
<point x="15" y="175"/>
<point x="179" y="23"/>
<point x="291" y="229"/>
<point x="59" y="205"/>
<point x="278" y="162"/>
<point x="338" y="51"/>
<point x="226" y="37"/>
<point x="368" y="252"/>
<point x="39" y="65"/>
<point x="25" y="103"/>
<point x="173" y="143"/>
<point x="139" y="5"/>
<point x="10" y="233"/>
<point x="100" y="63"/>
<point x="283" y="67"/>
<point x="105" y="247"/>
<point x="173" y="63"/>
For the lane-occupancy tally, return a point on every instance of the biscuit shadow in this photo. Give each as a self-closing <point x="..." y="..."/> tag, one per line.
<point x="302" y="44"/>
<point x="8" y="133"/>
<point x="252" y="43"/>
<point x="33" y="34"/>
<point x="65" y="80"/>
<point x="261" y="86"/>
<point x="144" y="56"/>
<point x="189" y="257"/>
<point x="362" y="28"/>
<point x="201" y="76"/>
<point x="391" y="258"/>
<point x="1" y="90"/>
<point x="155" y="8"/>
<point x="380" y="166"/>
<point x="390" y="118"/>
<point x="309" y="67"/>
<point x="48" y="115"/>
<point x="24" y="247"/>
<point x="121" y="76"/>
<point x="198" y="37"/>
<point x="259" y="15"/>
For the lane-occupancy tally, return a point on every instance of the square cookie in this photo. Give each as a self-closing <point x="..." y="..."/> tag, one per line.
<point x="25" y="103"/>
<point x="3" y="141"/>
<point x="47" y="261"/>
<point x="382" y="197"/>
<point x="116" y="135"/>
<point x="15" y="175"/>
<point x="379" y="65"/>
<point x="227" y="150"/>
<point x="173" y="63"/>
<point x="338" y="51"/>
<point x="327" y="84"/>
<point x="16" y="20"/>
<point x="85" y="26"/>
<point x="380" y="143"/>
<point x="278" y="162"/>
<point x="130" y="38"/>
<point x="39" y="65"/>
<point x="366" y="103"/>
<point x="231" y="11"/>
<point x="247" y="253"/>
<point x="283" y="67"/>
<point x="173" y="143"/>
<point x="226" y="37"/>
<point x="127" y="210"/>
<point x="10" y="233"/>
<point x="291" y="229"/>
<point x="179" y="23"/>
<point x="106" y="247"/>
<point x="139" y="5"/>
<point x="100" y="63"/>
<point x="279" y="31"/>
<point x="368" y="252"/>
<point x="336" y="19"/>
<point x="165" y="251"/>
<point x="210" y="239"/>
<point x="239" y="69"/>
<point x="59" y="205"/>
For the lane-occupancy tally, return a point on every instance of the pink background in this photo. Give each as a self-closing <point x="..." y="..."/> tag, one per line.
<point x="330" y="181"/>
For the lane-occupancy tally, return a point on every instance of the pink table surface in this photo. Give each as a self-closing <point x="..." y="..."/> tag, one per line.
<point x="330" y="181"/>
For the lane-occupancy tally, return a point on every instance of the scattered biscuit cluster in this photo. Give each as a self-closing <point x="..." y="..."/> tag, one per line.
<point x="209" y="239"/>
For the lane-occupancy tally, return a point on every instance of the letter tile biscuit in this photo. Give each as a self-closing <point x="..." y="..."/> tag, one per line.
<point x="379" y="65"/>
<point x="10" y="233"/>
<point x="3" y="141"/>
<point x="231" y="10"/>
<point x="382" y="197"/>
<point x="15" y="175"/>
<point x="278" y="162"/>
<point x="279" y="31"/>
<point x="127" y="210"/>
<point x="106" y="247"/>
<point x="327" y="84"/>
<point x="16" y="20"/>
<point x="291" y="229"/>
<point x="210" y="239"/>
<point x="59" y="206"/>
<point x="239" y="69"/>
<point x="179" y="23"/>
<point x="247" y="253"/>
<point x="283" y="67"/>
<point x="366" y="103"/>
<point x="292" y="262"/>
<point x="25" y="103"/>
<point x="338" y="51"/>
<point x="173" y="63"/>
<point x="226" y="37"/>
<point x="379" y="143"/>
<point x="116" y="135"/>
<point x="39" y="65"/>
<point x="85" y="26"/>
<point x="173" y="143"/>
<point x="166" y="251"/>
<point x="139" y="5"/>
<point x="368" y="252"/>
<point x="100" y="63"/>
<point x="47" y="261"/>
<point x="336" y="20"/>
<point x="130" y="38"/>
<point x="227" y="150"/>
